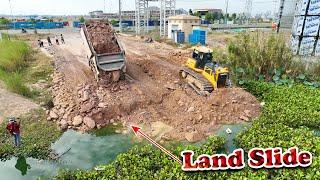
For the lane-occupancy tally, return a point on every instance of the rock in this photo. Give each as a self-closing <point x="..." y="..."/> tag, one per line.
<point x="49" y="119"/>
<point x="247" y="112"/>
<point x="99" y="126"/>
<point x="244" y="118"/>
<point x="262" y="103"/>
<point x="193" y="136"/>
<point x="200" y="117"/>
<point x="63" y="125"/>
<point x="180" y="103"/>
<point x="118" y="131"/>
<point x="170" y="86"/>
<point x="77" y="120"/>
<point x="101" y="105"/>
<point x="87" y="107"/>
<point x="111" y="121"/>
<point x="53" y="115"/>
<point x="89" y="122"/>
<point x="85" y="96"/>
<point x="191" y="109"/>
<point x="70" y="123"/>
<point x="62" y="111"/>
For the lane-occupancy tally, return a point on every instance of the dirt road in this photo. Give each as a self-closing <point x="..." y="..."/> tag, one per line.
<point x="13" y="105"/>
<point x="156" y="99"/>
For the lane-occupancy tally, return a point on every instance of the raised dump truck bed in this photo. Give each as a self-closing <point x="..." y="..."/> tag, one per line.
<point x="105" y="53"/>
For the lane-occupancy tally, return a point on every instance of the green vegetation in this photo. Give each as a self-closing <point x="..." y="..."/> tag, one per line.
<point x="20" y="66"/>
<point x="4" y="21"/>
<point x="286" y="119"/>
<point x="265" y="56"/>
<point x="82" y="20"/>
<point x="37" y="135"/>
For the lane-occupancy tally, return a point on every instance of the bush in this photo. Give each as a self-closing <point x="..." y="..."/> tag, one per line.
<point x="37" y="134"/>
<point x="13" y="55"/>
<point x="260" y="53"/>
<point x="14" y="83"/>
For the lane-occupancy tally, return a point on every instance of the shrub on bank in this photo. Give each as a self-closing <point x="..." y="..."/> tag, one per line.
<point x="37" y="135"/>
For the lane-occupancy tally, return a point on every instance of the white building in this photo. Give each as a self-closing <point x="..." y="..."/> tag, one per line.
<point x="183" y="23"/>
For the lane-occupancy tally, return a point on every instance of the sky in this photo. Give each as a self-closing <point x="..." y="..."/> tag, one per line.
<point x="83" y="7"/>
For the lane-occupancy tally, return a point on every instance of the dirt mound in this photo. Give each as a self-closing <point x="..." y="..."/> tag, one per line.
<point x="102" y="37"/>
<point x="155" y="99"/>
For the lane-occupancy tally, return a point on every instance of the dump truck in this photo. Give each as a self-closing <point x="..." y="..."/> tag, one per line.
<point x="105" y="54"/>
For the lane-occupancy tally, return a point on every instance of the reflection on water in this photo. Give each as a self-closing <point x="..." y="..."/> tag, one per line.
<point x="22" y="165"/>
<point x="87" y="151"/>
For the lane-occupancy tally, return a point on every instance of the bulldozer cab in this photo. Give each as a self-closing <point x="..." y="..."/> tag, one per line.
<point x="202" y="55"/>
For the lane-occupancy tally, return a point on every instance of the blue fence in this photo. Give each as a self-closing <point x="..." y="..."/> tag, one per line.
<point x="197" y="36"/>
<point x="77" y="24"/>
<point x="38" y="25"/>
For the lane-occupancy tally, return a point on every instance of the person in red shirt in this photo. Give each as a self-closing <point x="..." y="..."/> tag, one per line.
<point x="13" y="128"/>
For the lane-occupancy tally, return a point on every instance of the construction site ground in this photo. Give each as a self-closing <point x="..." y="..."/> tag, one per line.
<point x="155" y="98"/>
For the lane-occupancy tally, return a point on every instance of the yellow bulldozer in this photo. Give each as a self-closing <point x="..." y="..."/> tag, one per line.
<point x="204" y="74"/>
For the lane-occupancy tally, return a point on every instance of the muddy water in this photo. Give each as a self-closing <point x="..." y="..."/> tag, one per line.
<point x="87" y="151"/>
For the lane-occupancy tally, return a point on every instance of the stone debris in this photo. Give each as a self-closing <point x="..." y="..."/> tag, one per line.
<point x="89" y="122"/>
<point x="77" y="121"/>
<point x="102" y="37"/>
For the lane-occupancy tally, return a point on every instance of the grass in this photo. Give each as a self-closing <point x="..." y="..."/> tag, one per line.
<point x="37" y="135"/>
<point x="20" y="67"/>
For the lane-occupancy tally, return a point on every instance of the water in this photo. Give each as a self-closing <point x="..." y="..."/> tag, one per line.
<point x="87" y="151"/>
<point x="230" y="144"/>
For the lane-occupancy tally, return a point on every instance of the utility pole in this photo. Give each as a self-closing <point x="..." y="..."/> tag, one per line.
<point x="227" y="6"/>
<point x="248" y="10"/>
<point x="120" y="16"/>
<point x="280" y="14"/>
<point x="14" y="24"/>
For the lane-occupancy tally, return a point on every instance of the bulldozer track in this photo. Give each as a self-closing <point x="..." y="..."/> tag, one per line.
<point x="204" y="83"/>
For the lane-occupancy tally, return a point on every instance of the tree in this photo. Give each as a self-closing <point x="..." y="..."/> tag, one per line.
<point x="208" y="17"/>
<point x="234" y="16"/>
<point x="190" y="12"/>
<point x="113" y="22"/>
<point x="4" y="21"/>
<point x="82" y="19"/>
<point x="197" y="14"/>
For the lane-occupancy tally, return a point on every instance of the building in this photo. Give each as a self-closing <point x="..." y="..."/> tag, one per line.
<point x="96" y="14"/>
<point x="203" y="12"/>
<point x="154" y="14"/>
<point x="182" y="23"/>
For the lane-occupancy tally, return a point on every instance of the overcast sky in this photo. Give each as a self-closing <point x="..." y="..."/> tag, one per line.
<point x="82" y="7"/>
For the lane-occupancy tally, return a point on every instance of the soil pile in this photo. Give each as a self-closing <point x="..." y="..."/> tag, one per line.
<point x="102" y="37"/>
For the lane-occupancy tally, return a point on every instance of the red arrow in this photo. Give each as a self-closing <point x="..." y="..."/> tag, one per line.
<point x="137" y="130"/>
